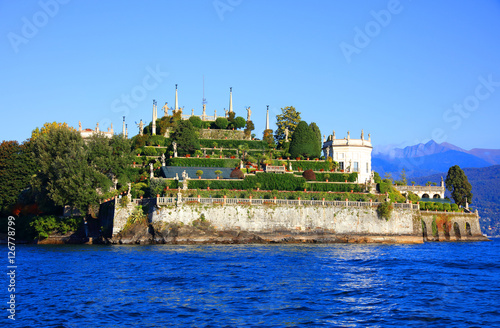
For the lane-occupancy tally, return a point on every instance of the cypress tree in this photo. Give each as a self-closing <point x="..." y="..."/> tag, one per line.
<point x="304" y="141"/>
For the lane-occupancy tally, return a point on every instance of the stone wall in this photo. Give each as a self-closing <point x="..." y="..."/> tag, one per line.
<point x="451" y="226"/>
<point x="271" y="219"/>
<point x="222" y="134"/>
<point x="113" y="217"/>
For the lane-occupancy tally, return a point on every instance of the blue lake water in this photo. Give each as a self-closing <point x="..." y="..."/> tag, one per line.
<point x="434" y="285"/>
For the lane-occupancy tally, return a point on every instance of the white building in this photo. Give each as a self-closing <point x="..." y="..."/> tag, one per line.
<point x="87" y="133"/>
<point x="353" y="155"/>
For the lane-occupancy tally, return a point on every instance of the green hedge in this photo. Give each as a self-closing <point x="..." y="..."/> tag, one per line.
<point x="304" y="165"/>
<point x="226" y="143"/>
<point x="203" y="162"/>
<point x="217" y="184"/>
<point x="435" y="206"/>
<point x="337" y="187"/>
<point x="337" y="177"/>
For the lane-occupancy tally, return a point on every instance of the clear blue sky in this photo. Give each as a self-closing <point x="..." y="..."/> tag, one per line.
<point x="399" y="81"/>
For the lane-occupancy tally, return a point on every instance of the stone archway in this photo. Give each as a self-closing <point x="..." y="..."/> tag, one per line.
<point x="446" y="232"/>
<point x="425" y="196"/>
<point x="456" y="229"/>
<point x="424" y="230"/>
<point x="468" y="230"/>
<point x="436" y="196"/>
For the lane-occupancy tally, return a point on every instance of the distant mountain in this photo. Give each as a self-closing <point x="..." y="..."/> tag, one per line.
<point x="485" y="186"/>
<point x="431" y="157"/>
<point x="492" y="156"/>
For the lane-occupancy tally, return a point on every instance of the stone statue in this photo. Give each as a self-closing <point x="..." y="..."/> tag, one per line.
<point x="362" y="135"/>
<point x="174" y="145"/>
<point x="165" y="110"/>
<point x="184" y="175"/>
<point x="192" y="111"/>
<point x="162" y="159"/>
<point x="80" y="126"/>
<point x="369" y="137"/>
<point x="225" y="110"/>
<point x="176" y="176"/>
<point x="215" y="114"/>
<point x="348" y="135"/>
<point x="129" y="188"/>
<point x="286" y="134"/>
<point x="141" y="128"/>
<point x="333" y="135"/>
<point x="97" y="127"/>
<point x="151" y="170"/>
<point x="249" y="113"/>
<point x="324" y="138"/>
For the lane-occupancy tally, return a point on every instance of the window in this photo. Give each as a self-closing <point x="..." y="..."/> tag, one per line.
<point x="341" y="165"/>
<point x="367" y="167"/>
<point x="355" y="168"/>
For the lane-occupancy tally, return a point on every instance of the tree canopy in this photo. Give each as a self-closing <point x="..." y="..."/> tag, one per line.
<point x="318" y="143"/>
<point x="289" y="118"/>
<point x="186" y="137"/>
<point x="16" y="168"/>
<point x="304" y="142"/>
<point x="457" y="182"/>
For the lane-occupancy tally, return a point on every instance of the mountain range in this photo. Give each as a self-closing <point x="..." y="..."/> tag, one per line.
<point x="430" y="158"/>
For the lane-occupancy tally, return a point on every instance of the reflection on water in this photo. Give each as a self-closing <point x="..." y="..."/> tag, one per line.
<point x="260" y="285"/>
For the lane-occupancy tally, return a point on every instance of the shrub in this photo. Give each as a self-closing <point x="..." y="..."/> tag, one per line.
<point x="309" y="175"/>
<point x="203" y="162"/>
<point x="221" y="123"/>
<point x="237" y="174"/>
<point x="384" y="210"/>
<point x="239" y="122"/>
<point x="196" y="121"/>
<point x="199" y="173"/>
<point x="149" y="151"/>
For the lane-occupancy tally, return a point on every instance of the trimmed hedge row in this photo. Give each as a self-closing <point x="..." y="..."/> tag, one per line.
<point x="203" y="162"/>
<point x="337" y="177"/>
<point x="227" y="143"/>
<point x="434" y="206"/>
<point x="304" y="165"/>
<point x="334" y="187"/>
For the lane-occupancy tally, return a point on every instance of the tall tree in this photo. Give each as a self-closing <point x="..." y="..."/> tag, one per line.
<point x="186" y="137"/>
<point x="65" y="176"/>
<point x="289" y="118"/>
<point x="457" y="182"/>
<point x="304" y="142"/>
<point x="249" y="128"/>
<point x="16" y="168"/>
<point x="318" y="144"/>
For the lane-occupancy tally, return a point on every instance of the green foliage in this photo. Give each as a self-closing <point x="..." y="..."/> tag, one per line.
<point x="221" y="123"/>
<point x="17" y="165"/>
<point x="249" y="128"/>
<point x="149" y="151"/>
<point x="268" y="138"/>
<point x="377" y="178"/>
<point x="318" y="144"/>
<point x="196" y="121"/>
<point x="434" y="226"/>
<point x="159" y="186"/>
<point x="309" y="175"/>
<point x="412" y="197"/>
<point x="458" y="184"/>
<point x="186" y="137"/>
<point x="304" y="142"/>
<point x="251" y="144"/>
<point x="46" y="225"/>
<point x="289" y="118"/>
<point x="218" y="172"/>
<point x="335" y="187"/>
<point x="199" y="173"/>
<point x="239" y="122"/>
<point x="203" y="162"/>
<point x="385" y="209"/>
<point x="67" y="174"/>
<point x="337" y="177"/>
